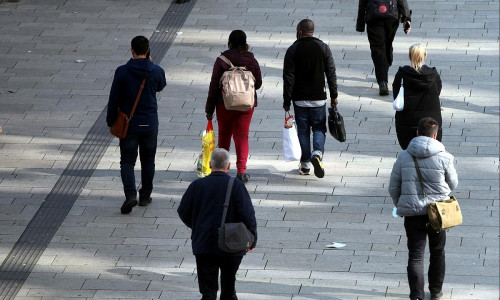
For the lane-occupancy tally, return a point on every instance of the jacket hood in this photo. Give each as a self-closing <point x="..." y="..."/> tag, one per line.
<point x="142" y="68"/>
<point x="423" y="146"/>
<point x="235" y="55"/>
<point x="422" y="79"/>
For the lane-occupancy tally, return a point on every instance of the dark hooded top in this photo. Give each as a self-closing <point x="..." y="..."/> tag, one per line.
<point x="421" y="97"/>
<point x="124" y="90"/>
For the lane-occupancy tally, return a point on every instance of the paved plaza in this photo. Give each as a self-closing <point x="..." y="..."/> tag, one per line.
<point x="56" y="67"/>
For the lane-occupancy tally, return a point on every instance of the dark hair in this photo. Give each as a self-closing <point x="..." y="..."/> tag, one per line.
<point x="238" y="40"/>
<point x="306" y="25"/>
<point x="427" y="127"/>
<point x="140" y="45"/>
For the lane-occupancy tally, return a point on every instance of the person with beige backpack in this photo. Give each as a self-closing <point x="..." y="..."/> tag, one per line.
<point x="424" y="173"/>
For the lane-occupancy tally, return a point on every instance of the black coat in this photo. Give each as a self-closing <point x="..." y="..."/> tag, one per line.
<point x="421" y="98"/>
<point x="202" y="206"/>
<point x="404" y="13"/>
<point x="307" y="62"/>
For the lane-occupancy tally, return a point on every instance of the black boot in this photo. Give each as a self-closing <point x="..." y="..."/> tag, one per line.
<point x="383" y="89"/>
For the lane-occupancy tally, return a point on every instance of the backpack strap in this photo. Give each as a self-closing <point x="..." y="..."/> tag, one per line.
<point x="226" y="60"/>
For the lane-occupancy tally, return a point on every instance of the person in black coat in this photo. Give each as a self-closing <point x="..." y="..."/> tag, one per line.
<point x="382" y="19"/>
<point x="201" y="209"/>
<point x="422" y="87"/>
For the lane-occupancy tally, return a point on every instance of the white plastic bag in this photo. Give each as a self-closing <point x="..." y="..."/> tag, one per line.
<point x="291" y="145"/>
<point x="399" y="102"/>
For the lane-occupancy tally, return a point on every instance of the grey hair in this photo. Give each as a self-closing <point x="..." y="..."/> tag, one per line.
<point x="219" y="159"/>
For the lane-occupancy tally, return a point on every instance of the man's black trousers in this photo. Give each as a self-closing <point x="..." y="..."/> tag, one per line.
<point x="381" y="34"/>
<point x="208" y="266"/>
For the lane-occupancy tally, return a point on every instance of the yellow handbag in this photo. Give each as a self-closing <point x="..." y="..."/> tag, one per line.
<point x="442" y="214"/>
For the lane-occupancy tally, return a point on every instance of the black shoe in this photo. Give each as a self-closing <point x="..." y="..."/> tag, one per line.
<point x="144" y="201"/>
<point x="437" y="297"/>
<point x="319" y="171"/>
<point x="243" y="177"/>
<point x="383" y="90"/>
<point x="128" y="204"/>
<point x="181" y="1"/>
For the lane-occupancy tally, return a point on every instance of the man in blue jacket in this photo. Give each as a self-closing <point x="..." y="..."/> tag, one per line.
<point x="439" y="179"/>
<point x="201" y="209"/>
<point x="143" y="128"/>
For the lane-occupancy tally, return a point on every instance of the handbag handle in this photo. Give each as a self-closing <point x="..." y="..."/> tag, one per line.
<point x="226" y="202"/>
<point x="289" y="116"/>
<point x="137" y="99"/>
<point x="419" y="175"/>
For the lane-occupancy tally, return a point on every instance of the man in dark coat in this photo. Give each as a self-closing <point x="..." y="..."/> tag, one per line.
<point x="201" y="209"/>
<point x="382" y="18"/>
<point x="143" y="128"/>
<point x="307" y="62"/>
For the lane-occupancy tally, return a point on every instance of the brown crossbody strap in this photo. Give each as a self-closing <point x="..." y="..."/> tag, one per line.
<point x="137" y="99"/>
<point x="419" y="175"/>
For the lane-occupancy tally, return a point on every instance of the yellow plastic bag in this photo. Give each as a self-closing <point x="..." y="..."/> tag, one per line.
<point x="207" y="147"/>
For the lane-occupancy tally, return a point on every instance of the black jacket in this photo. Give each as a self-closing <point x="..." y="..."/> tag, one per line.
<point x="421" y="96"/>
<point x="307" y="61"/>
<point x="202" y="206"/>
<point x="403" y="13"/>
<point x="124" y="90"/>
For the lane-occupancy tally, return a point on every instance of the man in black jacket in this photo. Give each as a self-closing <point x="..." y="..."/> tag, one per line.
<point x="382" y="18"/>
<point x="307" y="61"/>
<point x="142" y="133"/>
<point x="201" y="210"/>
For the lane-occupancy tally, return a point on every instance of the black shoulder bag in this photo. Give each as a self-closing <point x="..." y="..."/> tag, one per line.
<point x="233" y="237"/>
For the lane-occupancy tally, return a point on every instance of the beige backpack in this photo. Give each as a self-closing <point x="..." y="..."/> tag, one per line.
<point x="238" y="87"/>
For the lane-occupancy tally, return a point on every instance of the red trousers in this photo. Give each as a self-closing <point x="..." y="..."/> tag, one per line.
<point x="236" y="124"/>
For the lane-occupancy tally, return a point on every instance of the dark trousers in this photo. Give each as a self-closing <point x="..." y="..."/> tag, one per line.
<point x="208" y="266"/>
<point x="381" y="34"/>
<point x="417" y="231"/>
<point x="146" y="143"/>
<point x="310" y="119"/>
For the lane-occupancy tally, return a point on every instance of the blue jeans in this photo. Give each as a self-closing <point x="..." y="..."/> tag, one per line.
<point x="146" y="143"/>
<point x="308" y="118"/>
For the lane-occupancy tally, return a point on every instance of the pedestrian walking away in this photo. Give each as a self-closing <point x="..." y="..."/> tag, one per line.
<point x="201" y="209"/>
<point x="382" y="19"/>
<point x="233" y="123"/>
<point x="307" y="61"/>
<point x="439" y="178"/>
<point x="143" y="128"/>
<point x="422" y="87"/>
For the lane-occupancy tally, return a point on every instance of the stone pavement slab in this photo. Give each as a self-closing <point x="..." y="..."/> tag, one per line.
<point x="49" y="102"/>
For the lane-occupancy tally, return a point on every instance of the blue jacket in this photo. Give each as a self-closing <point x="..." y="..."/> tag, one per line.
<point x="438" y="172"/>
<point x="124" y="90"/>
<point x="202" y="206"/>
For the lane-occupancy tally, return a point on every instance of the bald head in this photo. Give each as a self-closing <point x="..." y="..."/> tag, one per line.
<point x="305" y="28"/>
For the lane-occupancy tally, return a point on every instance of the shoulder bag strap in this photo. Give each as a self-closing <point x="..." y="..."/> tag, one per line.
<point x="137" y="99"/>
<point x="227" y="61"/>
<point x="419" y="175"/>
<point x="226" y="203"/>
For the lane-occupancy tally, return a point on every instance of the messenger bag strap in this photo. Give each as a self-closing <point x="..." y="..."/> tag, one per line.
<point x="226" y="203"/>
<point x="419" y="175"/>
<point x="137" y="99"/>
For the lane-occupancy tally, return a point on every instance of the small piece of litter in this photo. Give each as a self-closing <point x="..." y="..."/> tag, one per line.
<point x="157" y="30"/>
<point x="179" y="33"/>
<point x="80" y="61"/>
<point x="335" y="245"/>
<point x="75" y="12"/>
<point x="29" y="51"/>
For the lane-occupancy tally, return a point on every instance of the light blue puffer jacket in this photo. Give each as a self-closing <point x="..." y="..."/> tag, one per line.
<point x="438" y="172"/>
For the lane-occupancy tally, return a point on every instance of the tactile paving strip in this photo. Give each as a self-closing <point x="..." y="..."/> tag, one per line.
<point x="23" y="257"/>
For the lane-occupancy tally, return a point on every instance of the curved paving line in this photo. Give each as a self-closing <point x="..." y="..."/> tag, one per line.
<point x="23" y="257"/>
